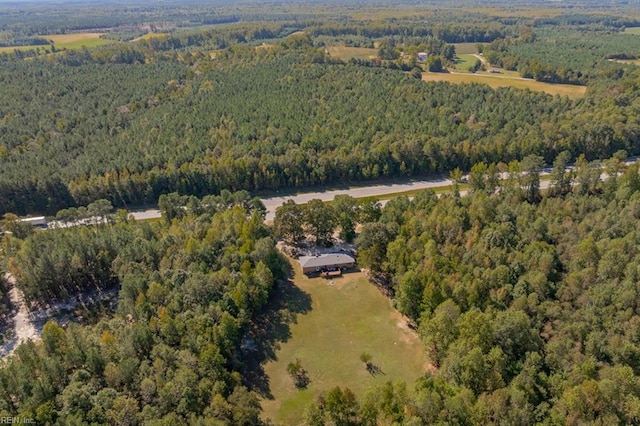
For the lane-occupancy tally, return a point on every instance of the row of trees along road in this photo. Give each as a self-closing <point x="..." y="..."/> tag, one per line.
<point x="318" y="219"/>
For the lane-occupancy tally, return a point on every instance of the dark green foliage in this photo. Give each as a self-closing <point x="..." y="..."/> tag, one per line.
<point x="434" y="64"/>
<point x="171" y="354"/>
<point x="260" y="119"/>
<point x="525" y="301"/>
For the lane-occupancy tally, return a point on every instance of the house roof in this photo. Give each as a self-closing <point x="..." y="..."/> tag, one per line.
<point x="325" y="260"/>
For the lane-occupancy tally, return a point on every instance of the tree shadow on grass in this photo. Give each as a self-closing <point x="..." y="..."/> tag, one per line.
<point x="269" y="330"/>
<point x="374" y="370"/>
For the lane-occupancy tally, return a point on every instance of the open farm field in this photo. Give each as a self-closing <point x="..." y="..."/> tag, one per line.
<point x="632" y="30"/>
<point x="496" y="81"/>
<point x="346" y="52"/>
<point x="465" y="48"/>
<point x="65" y="41"/>
<point x="149" y="36"/>
<point x="23" y="48"/>
<point x="77" y="40"/>
<point x="333" y="323"/>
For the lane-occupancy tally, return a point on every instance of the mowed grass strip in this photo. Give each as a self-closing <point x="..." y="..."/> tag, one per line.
<point x="632" y="30"/>
<point x="343" y="318"/>
<point x="345" y="53"/>
<point x="497" y="80"/>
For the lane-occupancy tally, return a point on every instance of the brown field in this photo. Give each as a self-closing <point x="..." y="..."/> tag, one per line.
<point x="345" y="52"/>
<point x="71" y="38"/>
<point x="496" y="81"/>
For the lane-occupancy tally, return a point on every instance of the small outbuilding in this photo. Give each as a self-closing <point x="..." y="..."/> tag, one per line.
<point x="326" y="263"/>
<point x="423" y="56"/>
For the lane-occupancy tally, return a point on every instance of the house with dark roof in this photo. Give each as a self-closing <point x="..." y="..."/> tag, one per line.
<point x="326" y="263"/>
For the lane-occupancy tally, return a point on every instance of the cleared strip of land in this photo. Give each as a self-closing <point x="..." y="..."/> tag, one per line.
<point x="497" y="80"/>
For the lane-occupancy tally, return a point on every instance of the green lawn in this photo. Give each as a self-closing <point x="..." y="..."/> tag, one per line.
<point x="327" y="325"/>
<point x="464" y="61"/>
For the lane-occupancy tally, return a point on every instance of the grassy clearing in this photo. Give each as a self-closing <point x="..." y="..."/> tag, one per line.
<point x="465" y="61"/>
<point x="633" y="30"/>
<point x="327" y="327"/>
<point x="12" y="48"/>
<point x="77" y="40"/>
<point x="65" y="41"/>
<point x="345" y="53"/>
<point x="149" y="36"/>
<point x="501" y="80"/>
<point x="466" y="48"/>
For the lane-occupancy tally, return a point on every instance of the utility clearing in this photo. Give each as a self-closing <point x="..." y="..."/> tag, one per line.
<point x="327" y="324"/>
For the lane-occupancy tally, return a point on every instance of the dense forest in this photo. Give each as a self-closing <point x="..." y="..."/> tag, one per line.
<point x="262" y="105"/>
<point x="528" y="308"/>
<point x="83" y="125"/>
<point x="188" y="289"/>
<point x="525" y="299"/>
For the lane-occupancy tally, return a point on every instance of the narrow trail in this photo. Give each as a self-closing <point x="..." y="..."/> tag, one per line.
<point x="483" y="60"/>
<point x="23" y="327"/>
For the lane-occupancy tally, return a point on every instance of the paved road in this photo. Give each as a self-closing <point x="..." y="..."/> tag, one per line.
<point x="271" y="203"/>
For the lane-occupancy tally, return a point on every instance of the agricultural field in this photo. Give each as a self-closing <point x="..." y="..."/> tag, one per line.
<point x="332" y="323"/>
<point x="149" y="36"/>
<point x="498" y="80"/>
<point x="345" y="53"/>
<point x="465" y="48"/>
<point x="20" y="48"/>
<point x="65" y="41"/>
<point x="632" y="30"/>
<point x="77" y="40"/>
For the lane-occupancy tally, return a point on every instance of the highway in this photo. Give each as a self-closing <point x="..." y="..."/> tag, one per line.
<point x="356" y="191"/>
